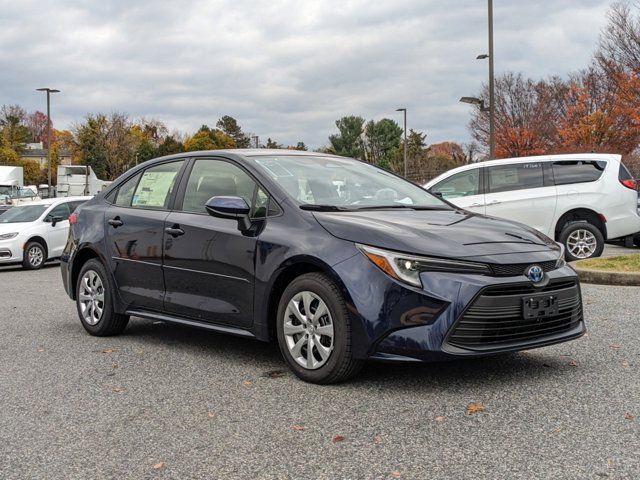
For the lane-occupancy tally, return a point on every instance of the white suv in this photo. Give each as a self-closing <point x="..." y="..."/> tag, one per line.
<point x="35" y="232"/>
<point x="580" y="200"/>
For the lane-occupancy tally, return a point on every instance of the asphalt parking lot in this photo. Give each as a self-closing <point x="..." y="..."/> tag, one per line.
<point x="163" y="401"/>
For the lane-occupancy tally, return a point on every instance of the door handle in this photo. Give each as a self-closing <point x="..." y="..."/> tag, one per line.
<point x="174" y="231"/>
<point x="115" y="222"/>
<point x="477" y="205"/>
<point x="495" y="202"/>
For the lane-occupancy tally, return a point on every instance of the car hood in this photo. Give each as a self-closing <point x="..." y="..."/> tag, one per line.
<point x="440" y="233"/>
<point x="12" y="227"/>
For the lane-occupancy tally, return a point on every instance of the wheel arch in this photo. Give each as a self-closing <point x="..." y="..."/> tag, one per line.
<point x="577" y="215"/>
<point x="40" y="239"/>
<point x="82" y="256"/>
<point x="288" y="271"/>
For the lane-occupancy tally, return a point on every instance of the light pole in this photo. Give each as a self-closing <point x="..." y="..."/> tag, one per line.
<point x="49" y="92"/>
<point x="473" y="100"/>
<point x="404" y="147"/>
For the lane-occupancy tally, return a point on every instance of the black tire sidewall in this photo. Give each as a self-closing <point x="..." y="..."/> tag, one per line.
<point x="25" y="256"/>
<point x="570" y="228"/>
<point x="326" y="290"/>
<point x="105" y="325"/>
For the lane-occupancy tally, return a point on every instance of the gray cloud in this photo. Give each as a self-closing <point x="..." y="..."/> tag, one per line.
<point x="285" y="69"/>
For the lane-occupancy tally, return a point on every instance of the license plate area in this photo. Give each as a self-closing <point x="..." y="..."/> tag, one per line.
<point x="539" y="306"/>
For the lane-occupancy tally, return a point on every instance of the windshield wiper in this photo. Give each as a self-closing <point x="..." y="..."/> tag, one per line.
<point x="408" y="207"/>
<point x="314" y="207"/>
<point x="526" y="240"/>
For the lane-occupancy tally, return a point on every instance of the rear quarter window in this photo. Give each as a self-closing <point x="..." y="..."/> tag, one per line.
<point x="577" y="171"/>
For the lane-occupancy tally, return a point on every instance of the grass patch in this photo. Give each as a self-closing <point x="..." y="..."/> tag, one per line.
<point x="623" y="263"/>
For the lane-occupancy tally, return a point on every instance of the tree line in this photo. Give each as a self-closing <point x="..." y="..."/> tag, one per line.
<point x="596" y="109"/>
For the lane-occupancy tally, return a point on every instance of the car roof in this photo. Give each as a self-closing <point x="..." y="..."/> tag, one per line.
<point x="536" y="158"/>
<point x="54" y="201"/>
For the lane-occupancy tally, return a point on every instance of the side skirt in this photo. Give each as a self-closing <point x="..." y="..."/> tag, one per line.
<point x="191" y="323"/>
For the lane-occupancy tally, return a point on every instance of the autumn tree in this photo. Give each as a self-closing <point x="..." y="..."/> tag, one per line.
<point x="229" y="126"/>
<point x="619" y="45"/>
<point x="14" y="132"/>
<point x="349" y="141"/>
<point x="209" y="139"/>
<point x="272" y="144"/>
<point x="36" y="123"/>
<point x="170" y="146"/>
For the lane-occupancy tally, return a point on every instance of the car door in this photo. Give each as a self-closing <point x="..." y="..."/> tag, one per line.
<point x="58" y="230"/>
<point x="463" y="189"/>
<point x="134" y="226"/>
<point x="523" y="192"/>
<point x="209" y="264"/>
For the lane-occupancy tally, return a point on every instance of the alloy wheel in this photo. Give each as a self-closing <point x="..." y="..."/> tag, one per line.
<point x="582" y="243"/>
<point x="308" y="330"/>
<point x="91" y="297"/>
<point x="35" y="256"/>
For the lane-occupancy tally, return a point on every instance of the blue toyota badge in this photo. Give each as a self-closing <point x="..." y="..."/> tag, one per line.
<point x="535" y="273"/>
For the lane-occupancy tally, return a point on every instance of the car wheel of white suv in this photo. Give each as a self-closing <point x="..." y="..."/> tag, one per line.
<point x="581" y="240"/>
<point x="34" y="256"/>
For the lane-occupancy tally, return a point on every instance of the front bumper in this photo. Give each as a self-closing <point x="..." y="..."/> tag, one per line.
<point x="11" y="251"/>
<point x="454" y="315"/>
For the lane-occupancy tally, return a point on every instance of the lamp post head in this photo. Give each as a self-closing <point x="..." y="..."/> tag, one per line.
<point x="401" y="109"/>
<point x="46" y="89"/>
<point x="482" y="56"/>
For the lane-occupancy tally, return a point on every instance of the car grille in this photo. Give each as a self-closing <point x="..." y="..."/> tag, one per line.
<point x="496" y="321"/>
<point x="511" y="270"/>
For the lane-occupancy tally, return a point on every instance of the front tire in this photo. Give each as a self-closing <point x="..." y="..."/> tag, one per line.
<point x="34" y="256"/>
<point x="94" y="301"/>
<point x="314" y="332"/>
<point x="581" y="240"/>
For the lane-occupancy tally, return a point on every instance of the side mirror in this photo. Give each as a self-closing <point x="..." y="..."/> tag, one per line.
<point x="230" y="207"/>
<point x="437" y="194"/>
<point x="55" y="220"/>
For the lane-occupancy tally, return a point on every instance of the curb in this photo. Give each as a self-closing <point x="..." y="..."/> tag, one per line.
<point x="600" y="277"/>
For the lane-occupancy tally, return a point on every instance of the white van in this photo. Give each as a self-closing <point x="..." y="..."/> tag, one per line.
<point x="580" y="200"/>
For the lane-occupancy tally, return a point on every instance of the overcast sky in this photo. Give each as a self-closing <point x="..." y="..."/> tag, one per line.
<point x="284" y="68"/>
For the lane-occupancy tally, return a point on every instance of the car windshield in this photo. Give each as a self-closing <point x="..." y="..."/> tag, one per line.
<point x="331" y="183"/>
<point x="27" y="213"/>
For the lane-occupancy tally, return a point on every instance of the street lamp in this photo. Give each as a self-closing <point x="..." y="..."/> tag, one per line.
<point x="49" y="92"/>
<point x="475" y="101"/>
<point x="404" y="110"/>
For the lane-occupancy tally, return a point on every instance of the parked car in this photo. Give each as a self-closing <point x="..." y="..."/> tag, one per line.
<point x="262" y="244"/>
<point x="580" y="200"/>
<point x="36" y="232"/>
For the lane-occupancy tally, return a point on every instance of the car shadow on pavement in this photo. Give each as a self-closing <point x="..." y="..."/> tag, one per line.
<point x="494" y="370"/>
<point x="17" y="267"/>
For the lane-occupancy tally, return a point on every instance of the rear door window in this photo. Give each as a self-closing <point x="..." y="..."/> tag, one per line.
<point x="577" y="171"/>
<point x="125" y="192"/>
<point x="156" y="185"/>
<point x="516" y="176"/>
<point x="463" y="184"/>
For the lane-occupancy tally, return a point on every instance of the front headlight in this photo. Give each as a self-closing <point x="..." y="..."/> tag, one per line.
<point x="407" y="268"/>
<point x="561" y="262"/>
<point x="8" y="236"/>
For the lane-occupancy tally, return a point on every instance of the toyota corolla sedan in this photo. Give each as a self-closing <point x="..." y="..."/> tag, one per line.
<point x="337" y="260"/>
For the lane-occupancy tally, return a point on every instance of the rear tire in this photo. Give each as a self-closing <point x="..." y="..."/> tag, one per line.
<point x="94" y="301"/>
<point x="314" y="331"/>
<point x="581" y="240"/>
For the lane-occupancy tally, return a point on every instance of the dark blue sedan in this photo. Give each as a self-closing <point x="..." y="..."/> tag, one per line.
<point x="338" y="260"/>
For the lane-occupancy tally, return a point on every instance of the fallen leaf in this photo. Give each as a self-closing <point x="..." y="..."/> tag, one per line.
<point x="338" y="438"/>
<point x="108" y="350"/>
<point x="615" y="346"/>
<point x="377" y="439"/>
<point x="247" y="383"/>
<point x="40" y="349"/>
<point x="439" y="419"/>
<point x="629" y="416"/>
<point x="475" y="408"/>
<point x="118" y="389"/>
<point x="211" y="414"/>
<point x="158" y="465"/>
<point x="573" y="363"/>
<point x="625" y="364"/>
<point x="297" y="428"/>
<point x="395" y="474"/>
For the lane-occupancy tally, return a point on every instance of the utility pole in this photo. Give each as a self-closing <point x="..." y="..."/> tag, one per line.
<point x="404" y="146"/>
<point x="49" y="92"/>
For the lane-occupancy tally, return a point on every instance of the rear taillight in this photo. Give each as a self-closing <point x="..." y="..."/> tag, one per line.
<point x="632" y="184"/>
<point x="73" y="219"/>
